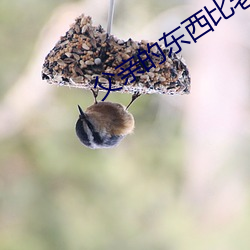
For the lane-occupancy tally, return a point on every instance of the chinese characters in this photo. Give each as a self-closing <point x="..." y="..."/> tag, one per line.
<point x="196" y="26"/>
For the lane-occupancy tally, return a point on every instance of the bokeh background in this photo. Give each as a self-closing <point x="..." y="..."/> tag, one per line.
<point x="180" y="182"/>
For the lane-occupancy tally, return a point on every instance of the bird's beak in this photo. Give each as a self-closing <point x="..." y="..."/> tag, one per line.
<point x="82" y="115"/>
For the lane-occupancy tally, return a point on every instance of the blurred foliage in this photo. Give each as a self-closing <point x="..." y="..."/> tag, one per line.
<point x="56" y="194"/>
<point x="20" y="24"/>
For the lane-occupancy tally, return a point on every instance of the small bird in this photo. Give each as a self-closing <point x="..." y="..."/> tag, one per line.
<point x="104" y="124"/>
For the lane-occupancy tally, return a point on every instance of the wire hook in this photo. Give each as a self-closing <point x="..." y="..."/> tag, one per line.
<point x="110" y="16"/>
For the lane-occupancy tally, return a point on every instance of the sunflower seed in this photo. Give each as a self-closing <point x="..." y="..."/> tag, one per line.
<point x="89" y="62"/>
<point x="85" y="46"/>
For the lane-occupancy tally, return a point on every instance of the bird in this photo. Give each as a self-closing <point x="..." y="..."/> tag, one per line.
<point x="104" y="124"/>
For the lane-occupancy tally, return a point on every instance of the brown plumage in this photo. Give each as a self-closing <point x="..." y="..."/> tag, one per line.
<point x="104" y="124"/>
<point x="110" y="117"/>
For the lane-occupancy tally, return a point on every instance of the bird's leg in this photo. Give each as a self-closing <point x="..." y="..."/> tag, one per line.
<point x="95" y="94"/>
<point x="134" y="97"/>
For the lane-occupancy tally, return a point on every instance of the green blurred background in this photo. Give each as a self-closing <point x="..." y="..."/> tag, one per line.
<point x="180" y="182"/>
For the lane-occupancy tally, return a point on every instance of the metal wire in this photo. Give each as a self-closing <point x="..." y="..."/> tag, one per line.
<point x="110" y="15"/>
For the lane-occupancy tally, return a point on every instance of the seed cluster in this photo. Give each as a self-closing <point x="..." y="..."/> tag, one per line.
<point x="86" y="51"/>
